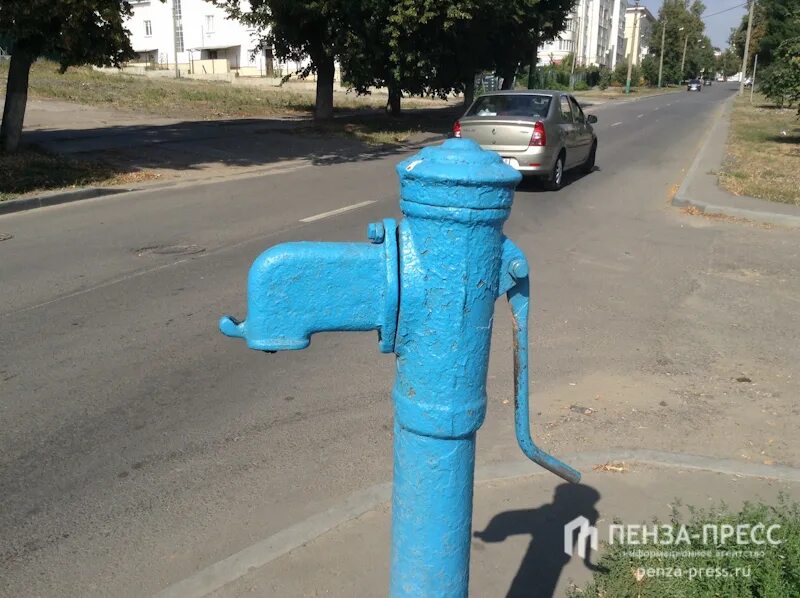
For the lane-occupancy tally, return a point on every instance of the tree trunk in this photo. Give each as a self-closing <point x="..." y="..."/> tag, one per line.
<point x="16" y="99"/>
<point x="393" y="107"/>
<point x="507" y="73"/>
<point x="469" y="91"/>
<point x="532" y="79"/>
<point x="326" y="68"/>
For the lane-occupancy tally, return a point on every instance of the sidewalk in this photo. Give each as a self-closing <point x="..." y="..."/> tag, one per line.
<point x="182" y="150"/>
<point x="700" y="190"/>
<point x="518" y="522"/>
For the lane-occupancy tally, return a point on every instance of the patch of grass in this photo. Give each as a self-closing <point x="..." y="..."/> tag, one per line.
<point x="31" y="170"/>
<point x="763" y="152"/>
<point x="619" y="92"/>
<point x="699" y="572"/>
<point x="185" y="97"/>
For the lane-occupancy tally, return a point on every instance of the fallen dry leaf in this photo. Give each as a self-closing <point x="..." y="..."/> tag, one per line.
<point x="613" y="466"/>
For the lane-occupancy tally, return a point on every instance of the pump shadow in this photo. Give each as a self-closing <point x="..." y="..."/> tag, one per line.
<point x="541" y="567"/>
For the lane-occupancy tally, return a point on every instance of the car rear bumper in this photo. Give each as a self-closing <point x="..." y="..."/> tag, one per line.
<point x="533" y="161"/>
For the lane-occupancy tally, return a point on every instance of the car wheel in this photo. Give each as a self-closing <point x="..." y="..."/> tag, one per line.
<point x="556" y="178"/>
<point x="588" y="166"/>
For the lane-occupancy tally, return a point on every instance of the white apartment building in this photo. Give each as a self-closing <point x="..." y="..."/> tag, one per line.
<point x="638" y="27"/>
<point x="206" y="42"/>
<point x="594" y="32"/>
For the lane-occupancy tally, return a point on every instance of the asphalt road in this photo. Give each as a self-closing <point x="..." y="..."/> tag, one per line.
<point x="138" y="445"/>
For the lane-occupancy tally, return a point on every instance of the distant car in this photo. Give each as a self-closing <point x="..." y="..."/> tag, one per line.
<point x="694" y="85"/>
<point x="707" y="81"/>
<point x="748" y="82"/>
<point x="540" y="133"/>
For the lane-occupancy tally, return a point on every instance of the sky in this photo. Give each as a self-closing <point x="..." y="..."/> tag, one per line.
<point x="718" y="27"/>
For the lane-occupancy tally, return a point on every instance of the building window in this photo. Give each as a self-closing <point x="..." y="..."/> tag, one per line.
<point x="148" y="28"/>
<point x="209" y="24"/>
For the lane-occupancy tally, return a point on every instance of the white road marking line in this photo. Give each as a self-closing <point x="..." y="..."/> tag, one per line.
<point x="616" y="124"/>
<point x="355" y="206"/>
<point x="656" y="108"/>
<point x="640" y="116"/>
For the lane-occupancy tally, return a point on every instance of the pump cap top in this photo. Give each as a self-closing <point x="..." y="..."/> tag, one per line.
<point x="458" y="174"/>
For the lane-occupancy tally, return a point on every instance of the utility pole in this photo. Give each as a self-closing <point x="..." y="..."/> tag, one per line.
<point x="683" y="58"/>
<point x="746" y="47"/>
<point x="753" y="83"/>
<point x="176" y="16"/>
<point x="661" y="62"/>
<point x="634" y="40"/>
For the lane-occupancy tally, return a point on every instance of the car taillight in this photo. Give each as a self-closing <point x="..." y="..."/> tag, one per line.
<point x="539" y="136"/>
<point x="457" y="129"/>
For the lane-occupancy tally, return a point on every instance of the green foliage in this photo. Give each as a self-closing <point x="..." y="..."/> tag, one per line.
<point x="620" y="74"/>
<point x="776" y="574"/>
<point x="728" y="63"/>
<point x="422" y="47"/>
<point x="684" y="27"/>
<point x="650" y="70"/>
<point x="581" y="86"/>
<point x="605" y="78"/>
<point x="73" y="31"/>
<point x="774" y="21"/>
<point x="781" y="81"/>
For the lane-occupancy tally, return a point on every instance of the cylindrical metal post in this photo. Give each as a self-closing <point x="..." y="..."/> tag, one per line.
<point x="455" y="198"/>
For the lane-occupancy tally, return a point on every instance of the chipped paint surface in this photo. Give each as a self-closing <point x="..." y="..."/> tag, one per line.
<point x="428" y="286"/>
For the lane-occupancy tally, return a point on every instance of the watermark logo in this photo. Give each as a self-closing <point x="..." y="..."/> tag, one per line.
<point x="585" y="531"/>
<point x="742" y="538"/>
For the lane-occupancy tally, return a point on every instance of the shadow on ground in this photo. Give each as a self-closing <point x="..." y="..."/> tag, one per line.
<point x="253" y="142"/>
<point x="546" y="557"/>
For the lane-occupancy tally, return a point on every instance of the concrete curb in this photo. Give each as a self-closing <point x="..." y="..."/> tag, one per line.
<point x="682" y="199"/>
<point x="40" y="201"/>
<point x="275" y="546"/>
<point x="51" y="199"/>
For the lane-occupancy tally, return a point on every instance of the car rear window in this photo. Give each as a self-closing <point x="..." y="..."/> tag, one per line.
<point x="524" y="106"/>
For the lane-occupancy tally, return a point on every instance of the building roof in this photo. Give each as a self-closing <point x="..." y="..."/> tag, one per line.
<point x="643" y="9"/>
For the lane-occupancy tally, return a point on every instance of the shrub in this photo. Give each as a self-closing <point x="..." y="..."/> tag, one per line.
<point x="776" y="573"/>
<point x="604" y="79"/>
<point x="781" y="82"/>
<point x="620" y="75"/>
<point x="581" y="86"/>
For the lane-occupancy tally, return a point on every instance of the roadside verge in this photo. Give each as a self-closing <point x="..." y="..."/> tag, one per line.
<point x="700" y="191"/>
<point x="683" y="471"/>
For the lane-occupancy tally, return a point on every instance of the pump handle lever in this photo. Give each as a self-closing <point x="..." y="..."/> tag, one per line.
<point x="518" y="293"/>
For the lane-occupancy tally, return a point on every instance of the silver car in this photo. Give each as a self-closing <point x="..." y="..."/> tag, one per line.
<point x="540" y="133"/>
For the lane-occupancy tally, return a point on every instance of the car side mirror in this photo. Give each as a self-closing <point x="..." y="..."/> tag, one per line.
<point x="591" y="119"/>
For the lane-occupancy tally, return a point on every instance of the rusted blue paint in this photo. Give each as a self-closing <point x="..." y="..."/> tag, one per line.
<point x="429" y="287"/>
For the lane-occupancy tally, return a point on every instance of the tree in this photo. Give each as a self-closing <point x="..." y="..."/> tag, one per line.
<point x="774" y="21"/>
<point x="650" y="69"/>
<point x="781" y="83"/>
<point x="74" y="31"/>
<point x="728" y="63"/>
<point x="296" y="31"/>
<point x="684" y="27"/>
<point x="435" y="47"/>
